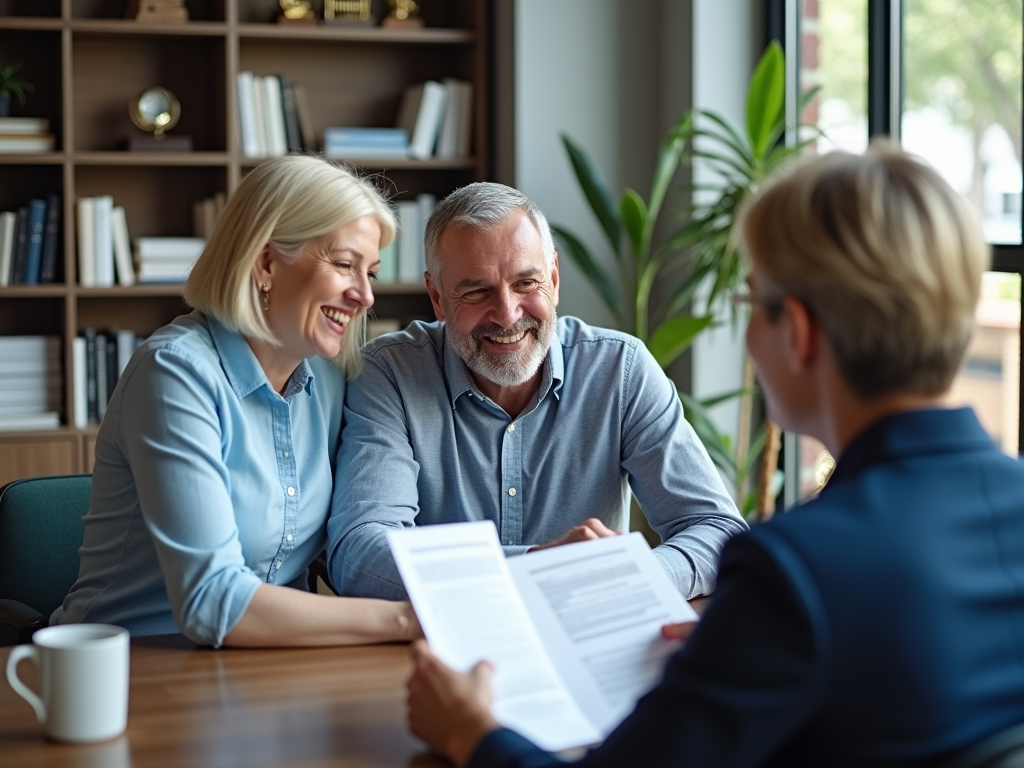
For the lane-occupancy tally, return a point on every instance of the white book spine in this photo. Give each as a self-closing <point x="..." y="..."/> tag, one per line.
<point x="410" y="242"/>
<point x="258" y="97"/>
<point x="428" y="120"/>
<point x="448" y="138"/>
<point x="8" y="223"/>
<point x="78" y="382"/>
<point x="125" y="348"/>
<point x="426" y="203"/>
<point x="86" y="243"/>
<point x="273" y="104"/>
<point x="102" y="209"/>
<point x="247" y="115"/>
<point x="122" y="247"/>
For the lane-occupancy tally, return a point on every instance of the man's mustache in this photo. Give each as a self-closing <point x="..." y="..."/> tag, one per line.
<point x="529" y="324"/>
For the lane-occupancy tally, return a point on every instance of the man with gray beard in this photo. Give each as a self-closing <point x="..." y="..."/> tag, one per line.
<point x="502" y="411"/>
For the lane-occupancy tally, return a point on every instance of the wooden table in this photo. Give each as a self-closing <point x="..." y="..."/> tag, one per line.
<point x="192" y="707"/>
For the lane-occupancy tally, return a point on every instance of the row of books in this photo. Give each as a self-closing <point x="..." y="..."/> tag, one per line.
<point x="403" y="260"/>
<point x="30" y="382"/>
<point x="166" y="259"/>
<point x="272" y="116"/>
<point x="434" y="120"/>
<point x="30" y="243"/>
<point x="99" y="358"/>
<point x="25" y="135"/>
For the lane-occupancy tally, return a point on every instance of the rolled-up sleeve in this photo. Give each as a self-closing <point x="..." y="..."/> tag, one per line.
<point x="175" y="445"/>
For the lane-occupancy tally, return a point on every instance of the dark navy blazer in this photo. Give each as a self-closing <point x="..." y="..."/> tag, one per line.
<point x="881" y="624"/>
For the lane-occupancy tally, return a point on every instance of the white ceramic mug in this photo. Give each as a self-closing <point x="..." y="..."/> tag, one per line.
<point x="83" y="680"/>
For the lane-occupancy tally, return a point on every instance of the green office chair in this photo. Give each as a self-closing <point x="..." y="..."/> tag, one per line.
<point x="1003" y="750"/>
<point x="41" y="530"/>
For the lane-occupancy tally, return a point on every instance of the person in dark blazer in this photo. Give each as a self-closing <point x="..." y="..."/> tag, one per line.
<point x="881" y="623"/>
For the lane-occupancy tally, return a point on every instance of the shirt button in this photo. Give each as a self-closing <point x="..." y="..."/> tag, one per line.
<point x="511" y="491"/>
<point x="512" y="427"/>
<point x="277" y="565"/>
<point x="291" y="491"/>
<point x="290" y="538"/>
<point x="286" y="454"/>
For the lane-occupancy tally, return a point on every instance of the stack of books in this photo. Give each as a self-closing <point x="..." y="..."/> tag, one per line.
<point x="205" y="213"/>
<point x="367" y="143"/>
<point x="166" y="259"/>
<point x="25" y="135"/>
<point x="30" y="243"/>
<point x="103" y="243"/>
<point x="438" y="118"/>
<point x="98" y="359"/>
<point x="30" y="382"/>
<point x="272" y="116"/>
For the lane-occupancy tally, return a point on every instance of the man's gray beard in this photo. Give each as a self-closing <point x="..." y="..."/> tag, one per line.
<point x="506" y="369"/>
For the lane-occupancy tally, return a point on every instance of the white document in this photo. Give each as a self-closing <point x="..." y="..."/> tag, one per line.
<point x="573" y="631"/>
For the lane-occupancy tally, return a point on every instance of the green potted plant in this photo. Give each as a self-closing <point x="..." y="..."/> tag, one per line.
<point x="11" y="85"/>
<point x="703" y="248"/>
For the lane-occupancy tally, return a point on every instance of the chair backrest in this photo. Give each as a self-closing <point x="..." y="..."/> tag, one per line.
<point x="41" y="530"/>
<point x="1003" y="750"/>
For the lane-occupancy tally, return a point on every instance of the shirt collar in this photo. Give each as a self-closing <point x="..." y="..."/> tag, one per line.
<point x="912" y="433"/>
<point x="243" y="370"/>
<point x="460" y="380"/>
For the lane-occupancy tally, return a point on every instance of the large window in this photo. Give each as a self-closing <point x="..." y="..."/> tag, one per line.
<point x="943" y="77"/>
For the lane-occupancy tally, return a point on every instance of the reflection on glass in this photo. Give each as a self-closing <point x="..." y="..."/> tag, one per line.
<point x="834" y="56"/>
<point x="962" y="102"/>
<point x="989" y="380"/>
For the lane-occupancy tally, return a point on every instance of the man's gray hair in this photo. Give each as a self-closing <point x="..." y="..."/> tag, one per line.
<point x="481" y="206"/>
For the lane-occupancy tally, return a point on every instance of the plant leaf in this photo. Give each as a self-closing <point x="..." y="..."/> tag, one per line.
<point x="595" y="189"/>
<point x="634" y="220"/>
<point x="594" y="272"/>
<point x="766" y="98"/>
<point x="669" y="157"/>
<point x="674" y="335"/>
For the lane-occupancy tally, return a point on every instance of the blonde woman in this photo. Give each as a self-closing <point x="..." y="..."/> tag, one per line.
<point x="214" y="462"/>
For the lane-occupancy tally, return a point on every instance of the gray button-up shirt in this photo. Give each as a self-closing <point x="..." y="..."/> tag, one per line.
<point x="422" y="445"/>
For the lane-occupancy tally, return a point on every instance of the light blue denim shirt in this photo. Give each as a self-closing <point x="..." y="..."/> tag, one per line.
<point x="423" y="445"/>
<point x="207" y="483"/>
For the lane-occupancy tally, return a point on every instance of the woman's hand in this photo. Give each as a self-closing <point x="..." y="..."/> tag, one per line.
<point x="450" y="711"/>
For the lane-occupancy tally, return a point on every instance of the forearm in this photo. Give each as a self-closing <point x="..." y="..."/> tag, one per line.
<point x="279" y="616"/>
<point x="690" y="557"/>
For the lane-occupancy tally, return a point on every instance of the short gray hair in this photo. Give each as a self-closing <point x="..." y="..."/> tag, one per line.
<point x="481" y="206"/>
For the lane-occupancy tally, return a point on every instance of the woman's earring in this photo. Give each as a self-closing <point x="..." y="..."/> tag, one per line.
<point x="265" y="290"/>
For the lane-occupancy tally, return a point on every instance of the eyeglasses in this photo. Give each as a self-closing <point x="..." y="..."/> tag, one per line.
<point x="772" y="306"/>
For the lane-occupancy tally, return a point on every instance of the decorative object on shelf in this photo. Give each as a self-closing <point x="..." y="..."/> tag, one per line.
<point x="347" y="12"/>
<point x="296" y="12"/>
<point x="404" y="14"/>
<point x="157" y="110"/>
<point x="158" y="11"/>
<point x="11" y="85"/>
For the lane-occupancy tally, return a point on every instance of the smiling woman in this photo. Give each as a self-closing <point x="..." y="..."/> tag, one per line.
<point x="214" y="462"/>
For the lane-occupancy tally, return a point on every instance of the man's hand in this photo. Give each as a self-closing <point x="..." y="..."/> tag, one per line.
<point x="684" y="629"/>
<point x="591" y="528"/>
<point x="450" y="711"/>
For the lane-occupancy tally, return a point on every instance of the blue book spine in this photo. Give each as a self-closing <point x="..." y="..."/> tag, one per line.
<point x="34" y="250"/>
<point x="51" y="240"/>
<point x="20" y="248"/>
<point x="376" y="137"/>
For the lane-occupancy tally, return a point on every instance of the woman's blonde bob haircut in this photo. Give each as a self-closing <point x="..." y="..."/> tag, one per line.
<point x="887" y="257"/>
<point x="287" y="201"/>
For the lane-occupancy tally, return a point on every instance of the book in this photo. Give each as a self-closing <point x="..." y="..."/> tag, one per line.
<point x="375" y="328"/>
<point x="164" y="271"/>
<point x="392" y="138"/>
<point x="20" y="247"/>
<point x="122" y="247"/>
<point x="102" y="368"/>
<point x="388" y="271"/>
<point x="126" y="343"/>
<point x="420" y="114"/>
<point x="32" y="346"/>
<point x="573" y="631"/>
<point x="273" y="116"/>
<point x="8" y="227"/>
<point x="448" y="138"/>
<point x="292" y="133"/>
<point x="103" y="206"/>
<point x="24" y="126"/>
<point x="247" y="115"/>
<point x="258" y="96"/>
<point x="410" y="242"/>
<point x="90" y="375"/>
<point x="86" y="242"/>
<point x="305" y="117"/>
<point x="78" y="382"/>
<point x="34" y="246"/>
<point x="169" y="247"/>
<point x="51" y="239"/>
<point x="25" y="144"/>
<point x="28" y="421"/>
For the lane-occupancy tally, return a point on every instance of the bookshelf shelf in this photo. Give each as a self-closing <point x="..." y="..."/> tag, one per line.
<point x="85" y="62"/>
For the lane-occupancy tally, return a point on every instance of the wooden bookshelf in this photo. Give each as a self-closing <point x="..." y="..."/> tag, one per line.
<point x="86" y="61"/>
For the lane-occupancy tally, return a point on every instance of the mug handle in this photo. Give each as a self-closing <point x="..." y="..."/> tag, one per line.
<point x="18" y="653"/>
